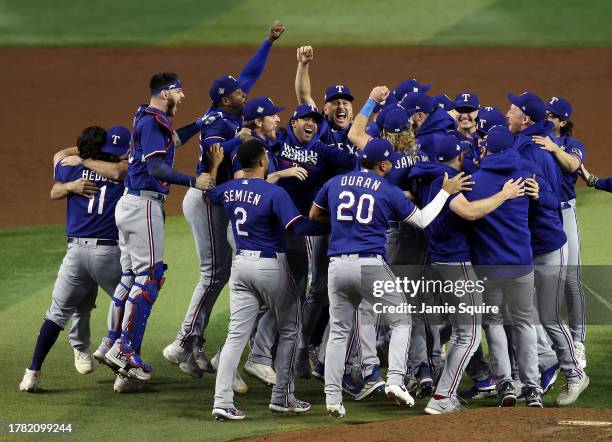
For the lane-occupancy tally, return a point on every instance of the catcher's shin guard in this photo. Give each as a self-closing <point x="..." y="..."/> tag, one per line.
<point x="116" y="310"/>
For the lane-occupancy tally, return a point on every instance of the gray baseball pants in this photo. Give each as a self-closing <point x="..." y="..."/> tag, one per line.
<point x="574" y="294"/>
<point x="256" y="282"/>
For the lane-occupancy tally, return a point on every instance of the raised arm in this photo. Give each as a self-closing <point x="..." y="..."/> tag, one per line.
<point x="473" y="210"/>
<point x="254" y="68"/>
<point x="357" y="134"/>
<point x="303" y="91"/>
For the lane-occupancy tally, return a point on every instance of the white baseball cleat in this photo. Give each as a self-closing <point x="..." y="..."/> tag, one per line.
<point x="30" y="381"/>
<point x="570" y="392"/>
<point x="231" y="414"/>
<point x="239" y="386"/>
<point x="399" y="394"/>
<point x="264" y="373"/>
<point x="295" y="406"/>
<point x="83" y="361"/>
<point x="126" y="385"/>
<point x="443" y="406"/>
<point x="175" y="354"/>
<point x="336" y="410"/>
<point x="101" y="351"/>
<point x="580" y="353"/>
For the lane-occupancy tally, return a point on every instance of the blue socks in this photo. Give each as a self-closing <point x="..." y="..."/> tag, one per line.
<point x="46" y="338"/>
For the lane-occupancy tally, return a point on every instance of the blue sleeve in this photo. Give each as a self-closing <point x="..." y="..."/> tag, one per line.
<point x="576" y="149"/>
<point x="306" y="227"/>
<point x="401" y="206"/>
<point x="602" y="184"/>
<point x="253" y="69"/>
<point x="159" y="169"/>
<point x="321" y="200"/>
<point x="152" y="139"/>
<point x="186" y="132"/>
<point x="338" y="157"/>
<point x="214" y="195"/>
<point x="64" y="173"/>
<point x="283" y="208"/>
<point x="547" y="197"/>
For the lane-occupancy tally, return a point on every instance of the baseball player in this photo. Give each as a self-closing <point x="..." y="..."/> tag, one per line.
<point x="593" y="181"/>
<point x="501" y="244"/>
<point x="140" y="214"/>
<point x="466" y="107"/>
<point x="223" y="121"/>
<point x="428" y="122"/>
<point x="569" y="153"/>
<point x="93" y="257"/>
<point x="450" y="256"/>
<point x="259" y="213"/>
<point x="359" y="205"/>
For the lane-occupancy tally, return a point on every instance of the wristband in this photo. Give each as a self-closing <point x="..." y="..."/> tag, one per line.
<point x="368" y="108"/>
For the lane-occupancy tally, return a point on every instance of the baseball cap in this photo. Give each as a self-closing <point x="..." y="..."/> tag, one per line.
<point x="117" y="141"/>
<point x="306" y="110"/>
<point x="377" y="150"/>
<point x="448" y="148"/>
<point x="223" y="86"/>
<point x="338" y="91"/>
<point x="259" y="107"/>
<point x="530" y="104"/>
<point x="467" y="101"/>
<point x="407" y="86"/>
<point x="417" y="102"/>
<point x="499" y="139"/>
<point x="443" y="101"/>
<point x="396" y="120"/>
<point x="488" y="117"/>
<point x="560" y="107"/>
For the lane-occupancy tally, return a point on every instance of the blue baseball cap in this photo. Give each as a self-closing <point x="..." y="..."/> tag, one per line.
<point x="338" y="91"/>
<point x="396" y="120"/>
<point x="443" y="101"/>
<point x="560" y="107"/>
<point x="259" y="107"/>
<point x="448" y="148"/>
<point x="499" y="139"/>
<point x="467" y="101"/>
<point x="306" y="110"/>
<point x="407" y="86"/>
<point x="530" y="104"/>
<point x="117" y="141"/>
<point x="222" y="87"/>
<point x="377" y="150"/>
<point x="488" y="117"/>
<point x="417" y="102"/>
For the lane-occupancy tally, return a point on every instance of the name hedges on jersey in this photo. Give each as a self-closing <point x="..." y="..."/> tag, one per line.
<point x="93" y="176"/>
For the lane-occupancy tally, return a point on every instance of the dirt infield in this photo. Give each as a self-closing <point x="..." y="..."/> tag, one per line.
<point x="51" y="94"/>
<point x="475" y="425"/>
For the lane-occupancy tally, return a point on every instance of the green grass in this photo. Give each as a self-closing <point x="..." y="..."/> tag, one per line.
<point x="179" y="407"/>
<point x="319" y="22"/>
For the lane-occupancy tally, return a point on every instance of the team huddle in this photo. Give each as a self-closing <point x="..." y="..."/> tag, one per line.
<point x="304" y="221"/>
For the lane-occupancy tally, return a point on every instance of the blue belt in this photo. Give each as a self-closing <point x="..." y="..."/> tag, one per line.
<point x="148" y="194"/>
<point x="262" y="253"/>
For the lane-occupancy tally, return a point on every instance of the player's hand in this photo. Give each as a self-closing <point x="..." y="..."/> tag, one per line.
<point x="532" y="189"/>
<point x="244" y="134"/>
<point x="305" y="54"/>
<point x="379" y="94"/>
<point x="514" y="188"/>
<point x="295" y="172"/>
<point x="590" y="179"/>
<point x="215" y="155"/>
<point x="545" y="143"/>
<point x="84" y="188"/>
<point x="275" y="31"/>
<point x="459" y="183"/>
<point x="204" y="181"/>
<point x="72" y="160"/>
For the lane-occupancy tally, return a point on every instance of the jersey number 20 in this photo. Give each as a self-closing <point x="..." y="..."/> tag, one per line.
<point x="365" y="207"/>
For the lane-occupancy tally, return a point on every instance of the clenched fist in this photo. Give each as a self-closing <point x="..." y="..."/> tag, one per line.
<point x="275" y="31"/>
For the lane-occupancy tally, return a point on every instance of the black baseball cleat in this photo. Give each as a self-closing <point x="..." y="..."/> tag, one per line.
<point x="506" y="396"/>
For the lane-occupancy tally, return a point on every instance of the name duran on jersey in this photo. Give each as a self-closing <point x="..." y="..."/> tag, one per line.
<point x="360" y="181"/>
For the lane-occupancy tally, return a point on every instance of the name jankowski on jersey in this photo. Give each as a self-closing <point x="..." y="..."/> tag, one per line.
<point x="93" y="176"/>
<point x="244" y="196"/>
<point x="360" y="181"/>
<point x="299" y="155"/>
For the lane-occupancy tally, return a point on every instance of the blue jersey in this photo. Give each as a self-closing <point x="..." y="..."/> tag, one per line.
<point x="433" y="129"/>
<point x="402" y="164"/>
<point x="90" y="217"/>
<point x="339" y="139"/>
<point x="574" y="147"/>
<point x="502" y="237"/>
<point x="259" y="213"/>
<point x="153" y="134"/>
<point x="361" y="204"/>
<point x="317" y="158"/>
<point x="272" y="146"/>
<point x="604" y="184"/>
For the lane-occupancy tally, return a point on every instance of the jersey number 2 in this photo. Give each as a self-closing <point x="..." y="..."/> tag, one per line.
<point x="102" y="194"/>
<point x="345" y="212"/>
<point x="241" y="217"/>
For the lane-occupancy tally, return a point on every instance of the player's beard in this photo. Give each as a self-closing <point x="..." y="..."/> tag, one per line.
<point x="171" y="107"/>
